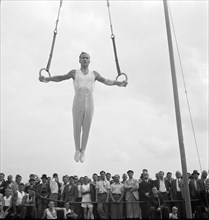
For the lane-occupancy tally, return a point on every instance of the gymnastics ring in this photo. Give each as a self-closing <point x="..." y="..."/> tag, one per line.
<point x="44" y="69"/>
<point x="124" y="75"/>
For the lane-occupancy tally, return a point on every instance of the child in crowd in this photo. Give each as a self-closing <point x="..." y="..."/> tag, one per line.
<point x="174" y="213"/>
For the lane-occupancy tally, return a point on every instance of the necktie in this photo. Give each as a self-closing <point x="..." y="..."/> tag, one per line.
<point x="195" y="184"/>
<point x="179" y="183"/>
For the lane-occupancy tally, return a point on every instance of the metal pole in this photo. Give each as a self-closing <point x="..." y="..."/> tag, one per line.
<point x="178" y="114"/>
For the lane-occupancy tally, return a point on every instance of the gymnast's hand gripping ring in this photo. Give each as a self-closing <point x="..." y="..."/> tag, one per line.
<point x="40" y="75"/>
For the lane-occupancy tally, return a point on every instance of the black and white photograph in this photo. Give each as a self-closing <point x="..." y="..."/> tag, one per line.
<point x="104" y="109"/>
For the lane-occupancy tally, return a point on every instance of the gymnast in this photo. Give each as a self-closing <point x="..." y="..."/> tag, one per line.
<point x="83" y="104"/>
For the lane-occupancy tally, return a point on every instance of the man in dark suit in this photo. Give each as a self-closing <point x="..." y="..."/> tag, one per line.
<point x="93" y="194"/>
<point x="201" y="181"/>
<point x="145" y="189"/>
<point x="70" y="193"/>
<point x="203" y="208"/>
<point x="42" y="194"/>
<point x="156" y="206"/>
<point x="193" y="189"/>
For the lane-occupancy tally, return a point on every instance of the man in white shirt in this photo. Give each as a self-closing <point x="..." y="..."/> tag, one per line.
<point x="102" y="196"/>
<point x="18" y="196"/>
<point x="54" y="186"/>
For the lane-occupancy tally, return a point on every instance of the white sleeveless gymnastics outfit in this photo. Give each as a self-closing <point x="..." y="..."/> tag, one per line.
<point x="83" y="107"/>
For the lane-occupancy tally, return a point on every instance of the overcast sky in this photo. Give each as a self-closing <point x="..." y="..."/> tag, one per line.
<point x="133" y="127"/>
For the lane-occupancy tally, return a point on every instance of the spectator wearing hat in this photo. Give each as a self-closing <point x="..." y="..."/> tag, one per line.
<point x="102" y="196"/>
<point x="31" y="176"/>
<point x="131" y="185"/>
<point x="76" y="179"/>
<point x="70" y="193"/>
<point x="42" y="194"/>
<point x="194" y="194"/>
<point x="202" y="181"/>
<point x="30" y="184"/>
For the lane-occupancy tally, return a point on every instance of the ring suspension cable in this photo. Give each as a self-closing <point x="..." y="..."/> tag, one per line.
<point x="114" y="45"/>
<point x="54" y="37"/>
<point x="53" y="43"/>
<point x="188" y="104"/>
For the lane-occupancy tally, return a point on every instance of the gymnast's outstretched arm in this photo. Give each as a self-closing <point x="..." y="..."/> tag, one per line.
<point x="58" y="78"/>
<point x="109" y="82"/>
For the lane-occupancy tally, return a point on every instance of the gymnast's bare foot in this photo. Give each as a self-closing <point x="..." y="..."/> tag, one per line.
<point x="77" y="155"/>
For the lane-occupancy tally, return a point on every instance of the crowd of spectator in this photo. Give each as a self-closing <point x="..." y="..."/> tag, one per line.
<point x="104" y="196"/>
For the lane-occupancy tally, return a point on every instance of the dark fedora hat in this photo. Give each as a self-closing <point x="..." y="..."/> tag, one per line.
<point x="31" y="179"/>
<point x="195" y="172"/>
<point x="44" y="176"/>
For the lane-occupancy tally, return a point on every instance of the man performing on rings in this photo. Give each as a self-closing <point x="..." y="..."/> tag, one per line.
<point x="83" y="104"/>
